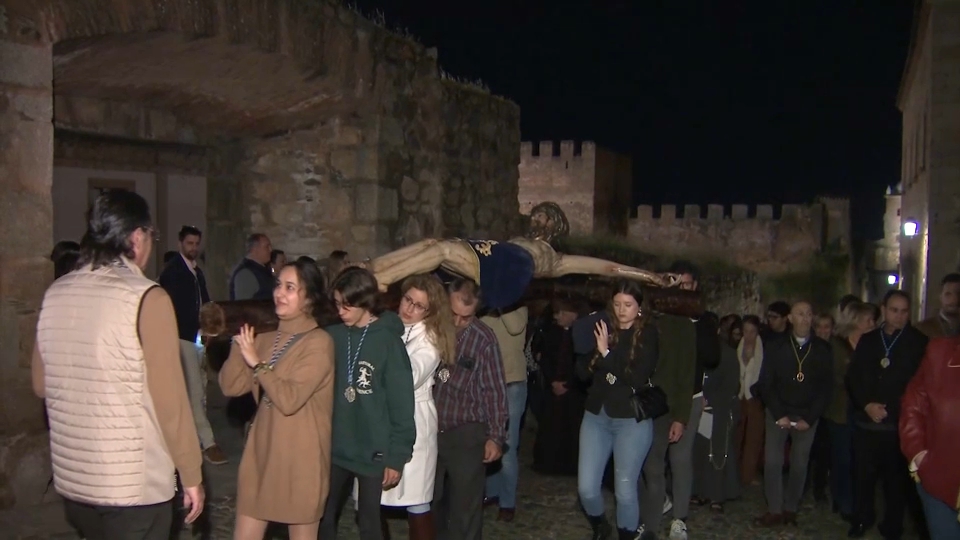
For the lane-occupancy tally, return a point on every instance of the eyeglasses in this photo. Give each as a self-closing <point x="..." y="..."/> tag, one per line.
<point x="152" y="233"/>
<point x="419" y="308"/>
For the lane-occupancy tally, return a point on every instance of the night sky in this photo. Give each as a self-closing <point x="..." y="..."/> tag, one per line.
<point x="716" y="101"/>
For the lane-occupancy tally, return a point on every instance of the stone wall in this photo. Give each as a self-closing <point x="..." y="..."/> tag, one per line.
<point x="480" y="157"/>
<point x="760" y="243"/>
<point x="310" y="123"/>
<point x="732" y="292"/>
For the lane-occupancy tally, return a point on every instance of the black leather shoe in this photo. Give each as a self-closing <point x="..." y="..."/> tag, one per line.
<point x="857" y="531"/>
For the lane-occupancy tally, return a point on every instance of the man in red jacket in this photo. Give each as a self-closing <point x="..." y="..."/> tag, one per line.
<point x="930" y="435"/>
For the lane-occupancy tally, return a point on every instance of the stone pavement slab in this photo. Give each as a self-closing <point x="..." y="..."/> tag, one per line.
<point x="547" y="508"/>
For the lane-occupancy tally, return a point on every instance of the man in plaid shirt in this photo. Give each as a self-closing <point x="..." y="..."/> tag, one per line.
<point x="471" y="404"/>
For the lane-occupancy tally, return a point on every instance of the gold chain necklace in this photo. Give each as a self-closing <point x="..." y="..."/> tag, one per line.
<point x="795" y="347"/>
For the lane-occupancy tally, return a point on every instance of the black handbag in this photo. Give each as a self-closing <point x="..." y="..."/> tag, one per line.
<point x="649" y="402"/>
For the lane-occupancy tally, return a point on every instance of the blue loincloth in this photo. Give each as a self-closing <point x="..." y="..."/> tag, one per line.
<point x="505" y="271"/>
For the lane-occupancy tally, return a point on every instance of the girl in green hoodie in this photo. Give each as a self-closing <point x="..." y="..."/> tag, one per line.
<point x="373" y="424"/>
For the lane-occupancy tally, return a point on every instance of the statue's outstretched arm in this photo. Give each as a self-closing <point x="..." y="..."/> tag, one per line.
<point x="577" y="264"/>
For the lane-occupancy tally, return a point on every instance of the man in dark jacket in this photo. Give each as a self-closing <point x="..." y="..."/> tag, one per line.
<point x="796" y="383"/>
<point x="882" y="365"/>
<point x="185" y="284"/>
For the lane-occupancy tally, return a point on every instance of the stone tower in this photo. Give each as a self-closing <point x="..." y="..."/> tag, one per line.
<point x="593" y="186"/>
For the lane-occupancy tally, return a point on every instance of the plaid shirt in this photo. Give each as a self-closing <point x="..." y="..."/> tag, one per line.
<point x="476" y="390"/>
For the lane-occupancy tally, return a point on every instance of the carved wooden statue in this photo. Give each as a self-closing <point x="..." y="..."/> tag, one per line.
<point x="508" y="272"/>
<point x="505" y="269"/>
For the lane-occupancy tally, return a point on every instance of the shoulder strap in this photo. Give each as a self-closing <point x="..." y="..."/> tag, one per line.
<point x="293" y="341"/>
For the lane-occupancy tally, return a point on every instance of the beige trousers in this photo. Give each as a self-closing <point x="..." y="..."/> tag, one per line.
<point x="195" y="376"/>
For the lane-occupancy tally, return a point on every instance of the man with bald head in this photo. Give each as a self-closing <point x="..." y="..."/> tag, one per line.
<point x="796" y="382"/>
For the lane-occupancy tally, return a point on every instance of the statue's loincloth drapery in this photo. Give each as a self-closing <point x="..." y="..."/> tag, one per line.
<point x="505" y="271"/>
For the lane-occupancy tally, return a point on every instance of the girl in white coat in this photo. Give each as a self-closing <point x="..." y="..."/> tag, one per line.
<point x="430" y="339"/>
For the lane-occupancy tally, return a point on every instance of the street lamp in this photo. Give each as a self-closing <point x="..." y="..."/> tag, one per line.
<point x="892" y="279"/>
<point x="910" y="228"/>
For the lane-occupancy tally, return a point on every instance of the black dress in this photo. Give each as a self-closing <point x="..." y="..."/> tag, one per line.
<point x="555" y="450"/>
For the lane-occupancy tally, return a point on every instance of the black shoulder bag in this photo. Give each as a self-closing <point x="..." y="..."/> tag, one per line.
<point x="649" y="402"/>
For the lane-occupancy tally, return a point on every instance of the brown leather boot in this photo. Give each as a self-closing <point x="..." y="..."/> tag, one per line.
<point x="422" y="526"/>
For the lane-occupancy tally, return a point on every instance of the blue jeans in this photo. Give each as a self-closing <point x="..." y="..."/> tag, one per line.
<point x="629" y="441"/>
<point x="941" y="519"/>
<point x="841" y="465"/>
<point x="503" y="483"/>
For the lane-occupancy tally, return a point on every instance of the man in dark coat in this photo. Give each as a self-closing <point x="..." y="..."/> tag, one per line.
<point x="183" y="280"/>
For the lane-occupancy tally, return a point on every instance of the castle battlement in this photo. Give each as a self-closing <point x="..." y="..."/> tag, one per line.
<point x="561" y="150"/>
<point x="767" y="238"/>
<point x="736" y="212"/>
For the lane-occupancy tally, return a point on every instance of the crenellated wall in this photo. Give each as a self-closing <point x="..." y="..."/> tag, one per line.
<point x="592" y="185"/>
<point x="767" y="239"/>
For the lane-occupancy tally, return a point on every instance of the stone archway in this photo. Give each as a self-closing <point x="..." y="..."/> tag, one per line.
<point x="304" y="118"/>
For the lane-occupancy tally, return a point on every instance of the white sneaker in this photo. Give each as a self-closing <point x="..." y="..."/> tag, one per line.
<point x="667" y="505"/>
<point x="678" y="530"/>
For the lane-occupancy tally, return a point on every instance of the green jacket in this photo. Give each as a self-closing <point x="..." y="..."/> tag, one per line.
<point x="677" y="366"/>
<point x="377" y="430"/>
<point x="842" y="352"/>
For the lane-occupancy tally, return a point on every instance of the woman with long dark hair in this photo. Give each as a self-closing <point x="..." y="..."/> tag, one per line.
<point x="285" y="470"/>
<point x="624" y="361"/>
<point x="750" y="428"/>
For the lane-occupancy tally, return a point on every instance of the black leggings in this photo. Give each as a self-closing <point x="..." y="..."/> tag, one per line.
<point x="368" y="506"/>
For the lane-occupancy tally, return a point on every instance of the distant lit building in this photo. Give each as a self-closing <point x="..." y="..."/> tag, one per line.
<point x="882" y="268"/>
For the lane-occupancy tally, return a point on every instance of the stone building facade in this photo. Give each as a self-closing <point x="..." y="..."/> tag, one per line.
<point x="299" y="119"/>
<point x="593" y="185"/>
<point x="929" y="99"/>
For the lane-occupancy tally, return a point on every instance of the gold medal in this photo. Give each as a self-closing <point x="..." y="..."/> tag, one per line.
<point x="800" y="361"/>
<point x="350" y="393"/>
<point x="611" y="378"/>
<point x="885" y="363"/>
<point x="444" y="375"/>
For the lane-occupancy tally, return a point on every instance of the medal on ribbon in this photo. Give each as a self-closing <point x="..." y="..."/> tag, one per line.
<point x="885" y="361"/>
<point x="352" y="357"/>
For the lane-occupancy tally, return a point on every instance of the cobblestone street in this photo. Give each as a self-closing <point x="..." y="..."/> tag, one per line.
<point x="547" y="509"/>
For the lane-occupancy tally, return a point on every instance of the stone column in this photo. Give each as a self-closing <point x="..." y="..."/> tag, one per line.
<point x="26" y="234"/>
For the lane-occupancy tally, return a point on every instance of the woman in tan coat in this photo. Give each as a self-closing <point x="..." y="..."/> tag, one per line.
<point x="285" y="470"/>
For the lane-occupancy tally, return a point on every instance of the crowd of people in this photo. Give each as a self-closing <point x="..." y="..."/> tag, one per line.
<point x="836" y="400"/>
<point x="415" y="408"/>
